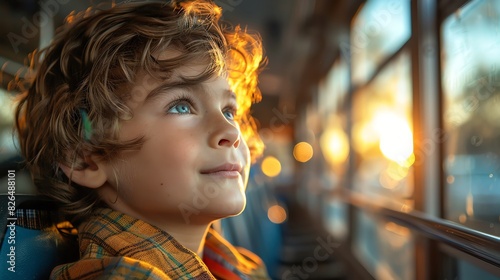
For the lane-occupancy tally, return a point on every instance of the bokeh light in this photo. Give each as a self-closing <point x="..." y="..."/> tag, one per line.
<point x="271" y="166"/>
<point x="335" y="145"/>
<point x="303" y="152"/>
<point x="276" y="214"/>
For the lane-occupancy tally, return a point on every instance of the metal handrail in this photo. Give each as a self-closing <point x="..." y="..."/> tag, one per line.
<point x="477" y="244"/>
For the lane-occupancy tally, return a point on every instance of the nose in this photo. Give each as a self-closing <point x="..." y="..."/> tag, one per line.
<point x="224" y="133"/>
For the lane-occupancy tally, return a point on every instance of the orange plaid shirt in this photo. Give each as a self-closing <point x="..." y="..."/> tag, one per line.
<point x="116" y="246"/>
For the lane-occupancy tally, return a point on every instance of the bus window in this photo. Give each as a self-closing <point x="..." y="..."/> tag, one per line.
<point x="382" y="136"/>
<point x="334" y="145"/>
<point x="6" y="121"/>
<point x="385" y="248"/>
<point x="455" y="268"/>
<point x="379" y="30"/>
<point x="471" y="84"/>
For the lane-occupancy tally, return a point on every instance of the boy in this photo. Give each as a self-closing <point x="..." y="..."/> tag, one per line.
<point x="132" y="124"/>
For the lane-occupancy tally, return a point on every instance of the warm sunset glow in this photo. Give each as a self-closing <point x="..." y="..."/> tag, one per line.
<point x="396" y="138"/>
<point x="276" y="214"/>
<point x="243" y="62"/>
<point x="303" y="152"/>
<point x="396" y="171"/>
<point x="364" y="137"/>
<point x="335" y="145"/>
<point x="271" y="166"/>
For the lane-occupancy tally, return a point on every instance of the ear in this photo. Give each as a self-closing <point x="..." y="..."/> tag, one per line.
<point x="93" y="176"/>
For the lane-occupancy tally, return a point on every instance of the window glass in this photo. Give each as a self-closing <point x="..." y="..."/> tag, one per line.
<point x="471" y="85"/>
<point x="382" y="137"/>
<point x="334" y="146"/>
<point x="380" y="29"/>
<point x="384" y="248"/>
<point x="7" y="145"/>
<point x="333" y="89"/>
<point x="335" y="217"/>
<point x="454" y="268"/>
<point x="333" y="140"/>
<point x="311" y="175"/>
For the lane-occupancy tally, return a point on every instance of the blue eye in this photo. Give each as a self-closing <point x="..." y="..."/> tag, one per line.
<point x="180" y="108"/>
<point x="229" y="115"/>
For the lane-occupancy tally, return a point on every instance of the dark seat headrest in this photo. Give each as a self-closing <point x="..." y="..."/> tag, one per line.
<point x="34" y="238"/>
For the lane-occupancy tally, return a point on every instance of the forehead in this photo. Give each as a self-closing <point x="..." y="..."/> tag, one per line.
<point x="147" y="88"/>
<point x="178" y="70"/>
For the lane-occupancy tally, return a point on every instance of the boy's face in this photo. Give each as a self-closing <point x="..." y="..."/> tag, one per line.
<point x="193" y="166"/>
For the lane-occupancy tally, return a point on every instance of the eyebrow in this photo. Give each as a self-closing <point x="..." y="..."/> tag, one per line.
<point x="231" y="93"/>
<point x="169" y="86"/>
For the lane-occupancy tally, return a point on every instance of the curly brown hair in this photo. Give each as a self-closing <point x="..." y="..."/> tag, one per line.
<point x="76" y="78"/>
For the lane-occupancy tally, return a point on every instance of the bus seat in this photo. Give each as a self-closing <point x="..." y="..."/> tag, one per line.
<point x="35" y="240"/>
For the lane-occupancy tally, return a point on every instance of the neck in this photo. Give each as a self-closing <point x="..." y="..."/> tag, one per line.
<point x="190" y="236"/>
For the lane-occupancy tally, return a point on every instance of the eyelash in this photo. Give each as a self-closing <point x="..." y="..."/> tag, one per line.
<point x="233" y="109"/>
<point x="179" y="100"/>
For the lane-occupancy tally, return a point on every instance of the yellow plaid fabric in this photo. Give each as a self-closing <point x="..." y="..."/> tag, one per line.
<point x="116" y="246"/>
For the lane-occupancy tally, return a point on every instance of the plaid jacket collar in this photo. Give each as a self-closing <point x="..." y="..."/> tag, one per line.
<point x="113" y="244"/>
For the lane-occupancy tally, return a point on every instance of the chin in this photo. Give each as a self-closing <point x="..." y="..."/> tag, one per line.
<point x="233" y="207"/>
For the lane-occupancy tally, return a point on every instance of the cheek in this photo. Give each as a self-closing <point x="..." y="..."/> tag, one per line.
<point x="245" y="156"/>
<point x="161" y="160"/>
<point x="172" y="146"/>
<point x="245" y="152"/>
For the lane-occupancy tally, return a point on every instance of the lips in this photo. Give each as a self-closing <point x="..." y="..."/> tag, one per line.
<point x="224" y="170"/>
